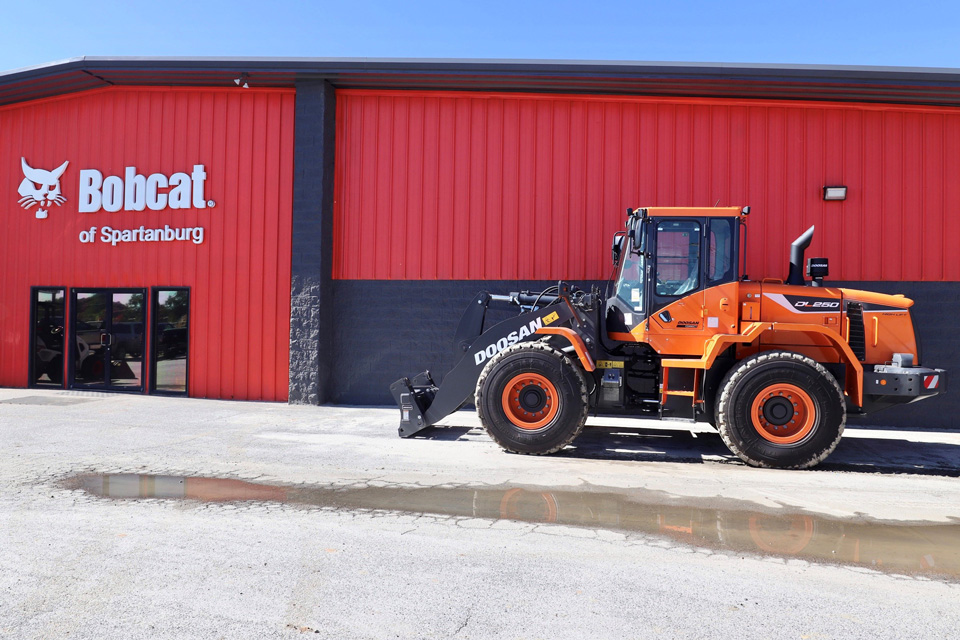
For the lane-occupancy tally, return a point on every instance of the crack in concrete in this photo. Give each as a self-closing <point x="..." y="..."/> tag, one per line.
<point x="465" y="622"/>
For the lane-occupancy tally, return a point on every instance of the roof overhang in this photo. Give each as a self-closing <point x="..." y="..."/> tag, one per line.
<point x="899" y="85"/>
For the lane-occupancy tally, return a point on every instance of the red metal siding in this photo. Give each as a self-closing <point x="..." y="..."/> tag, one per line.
<point x="445" y="185"/>
<point x="239" y="276"/>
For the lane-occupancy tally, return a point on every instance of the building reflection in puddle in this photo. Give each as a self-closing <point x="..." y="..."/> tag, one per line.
<point x="932" y="549"/>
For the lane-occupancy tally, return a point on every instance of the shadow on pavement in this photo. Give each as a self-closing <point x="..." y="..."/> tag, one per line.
<point x="619" y="443"/>
<point x="446" y="434"/>
<point x="862" y="453"/>
<point x="887" y="455"/>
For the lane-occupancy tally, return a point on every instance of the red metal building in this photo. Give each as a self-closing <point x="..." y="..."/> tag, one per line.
<point x="98" y="279"/>
<point x="498" y="186"/>
<point x="341" y="213"/>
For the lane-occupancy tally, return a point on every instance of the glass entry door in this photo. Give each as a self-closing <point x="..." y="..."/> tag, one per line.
<point x="47" y="307"/>
<point x="108" y="325"/>
<point x="171" y="340"/>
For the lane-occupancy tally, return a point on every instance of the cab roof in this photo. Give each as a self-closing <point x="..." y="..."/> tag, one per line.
<point x="696" y="212"/>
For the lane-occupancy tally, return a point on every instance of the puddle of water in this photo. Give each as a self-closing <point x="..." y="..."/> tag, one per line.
<point x="928" y="549"/>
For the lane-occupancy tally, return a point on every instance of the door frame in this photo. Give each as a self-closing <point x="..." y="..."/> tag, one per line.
<point x="105" y="386"/>
<point x="31" y="367"/>
<point x="155" y="343"/>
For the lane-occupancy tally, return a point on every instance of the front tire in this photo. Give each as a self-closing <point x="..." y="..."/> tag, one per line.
<point x="532" y="399"/>
<point x="780" y="409"/>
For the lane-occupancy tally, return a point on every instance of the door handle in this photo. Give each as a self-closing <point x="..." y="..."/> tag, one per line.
<point x="724" y="303"/>
<point x="108" y="337"/>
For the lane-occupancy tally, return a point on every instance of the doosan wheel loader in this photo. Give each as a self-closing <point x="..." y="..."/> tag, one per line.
<point x="681" y="333"/>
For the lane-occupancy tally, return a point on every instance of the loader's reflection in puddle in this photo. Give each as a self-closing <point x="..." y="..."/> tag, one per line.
<point x="931" y="549"/>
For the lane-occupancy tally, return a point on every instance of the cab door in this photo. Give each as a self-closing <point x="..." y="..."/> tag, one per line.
<point x="676" y="281"/>
<point x="721" y="276"/>
<point x="693" y="284"/>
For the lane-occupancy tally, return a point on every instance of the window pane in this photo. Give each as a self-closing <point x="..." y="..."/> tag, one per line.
<point x="678" y="257"/>
<point x="126" y="343"/>
<point x="720" y="252"/>
<point x="90" y="324"/>
<point x="48" y="338"/>
<point x="630" y="282"/>
<point x="172" y="339"/>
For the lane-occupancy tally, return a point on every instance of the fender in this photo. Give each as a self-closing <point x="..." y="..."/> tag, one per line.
<point x="854" y="382"/>
<point x="715" y="345"/>
<point x="585" y="359"/>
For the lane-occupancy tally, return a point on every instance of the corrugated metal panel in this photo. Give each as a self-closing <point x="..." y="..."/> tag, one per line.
<point x="446" y="185"/>
<point x="239" y="276"/>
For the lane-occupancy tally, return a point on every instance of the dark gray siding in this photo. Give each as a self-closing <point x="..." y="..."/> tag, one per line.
<point x="311" y="295"/>
<point x="388" y="329"/>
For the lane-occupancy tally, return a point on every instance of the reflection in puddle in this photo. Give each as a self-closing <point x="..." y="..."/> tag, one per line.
<point x="932" y="549"/>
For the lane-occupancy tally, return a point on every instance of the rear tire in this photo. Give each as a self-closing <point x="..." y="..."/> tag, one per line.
<point x="780" y="409"/>
<point x="532" y="399"/>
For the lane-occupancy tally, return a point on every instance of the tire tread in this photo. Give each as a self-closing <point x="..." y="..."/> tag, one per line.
<point x="738" y="372"/>
<point x="541" y="346"/>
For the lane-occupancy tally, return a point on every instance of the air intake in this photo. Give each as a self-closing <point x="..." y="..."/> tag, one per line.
<point x="797" y="250"/>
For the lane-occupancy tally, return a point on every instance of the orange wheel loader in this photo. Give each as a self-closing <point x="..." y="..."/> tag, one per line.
<point x="681" y="333"/>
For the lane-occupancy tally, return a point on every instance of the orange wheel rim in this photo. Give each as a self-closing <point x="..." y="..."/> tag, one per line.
<point x="530" y="401"/>
<point x="789" y="535"/>
<point x="517" y="504"/>
<point x="783" y="413"/>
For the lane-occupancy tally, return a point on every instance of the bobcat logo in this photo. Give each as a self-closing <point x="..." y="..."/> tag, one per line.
<point x="40" y="187"/>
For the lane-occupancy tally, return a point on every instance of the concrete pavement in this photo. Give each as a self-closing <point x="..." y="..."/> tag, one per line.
<point x="78" y="564"/>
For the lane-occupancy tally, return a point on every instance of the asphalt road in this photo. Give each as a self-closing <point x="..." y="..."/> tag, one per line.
<point x="641" y="530"/>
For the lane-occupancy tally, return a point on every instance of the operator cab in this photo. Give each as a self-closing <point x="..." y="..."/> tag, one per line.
<point x="668" y="253"/>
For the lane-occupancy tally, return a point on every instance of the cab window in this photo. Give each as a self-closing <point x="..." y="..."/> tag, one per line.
<point x="678" y="257"/>
<point x="630" y="281"/>
<point x="720" y="263"/>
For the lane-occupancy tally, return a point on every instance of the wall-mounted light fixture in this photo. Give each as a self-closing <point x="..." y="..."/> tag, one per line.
<point x="834" y="193"/>
<point x="242" y="81"/>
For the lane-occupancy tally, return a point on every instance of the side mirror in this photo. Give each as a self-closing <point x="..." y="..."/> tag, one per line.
<point x="637" y="236"/>
<point x="617" y="248"/>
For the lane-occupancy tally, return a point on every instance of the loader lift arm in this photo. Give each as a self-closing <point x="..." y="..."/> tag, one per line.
<point x="423" y="402"/>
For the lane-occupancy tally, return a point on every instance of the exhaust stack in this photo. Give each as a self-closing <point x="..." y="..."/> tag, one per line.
<point x="797" y="249"/>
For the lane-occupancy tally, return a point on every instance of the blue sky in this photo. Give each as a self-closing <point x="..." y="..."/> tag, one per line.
<point x="803" y="32"/>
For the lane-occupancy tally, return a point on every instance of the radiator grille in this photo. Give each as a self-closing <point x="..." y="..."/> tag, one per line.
<point x="857" y="337"/>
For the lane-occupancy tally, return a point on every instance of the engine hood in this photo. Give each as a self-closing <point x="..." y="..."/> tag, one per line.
<point x="877" y="300"/>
